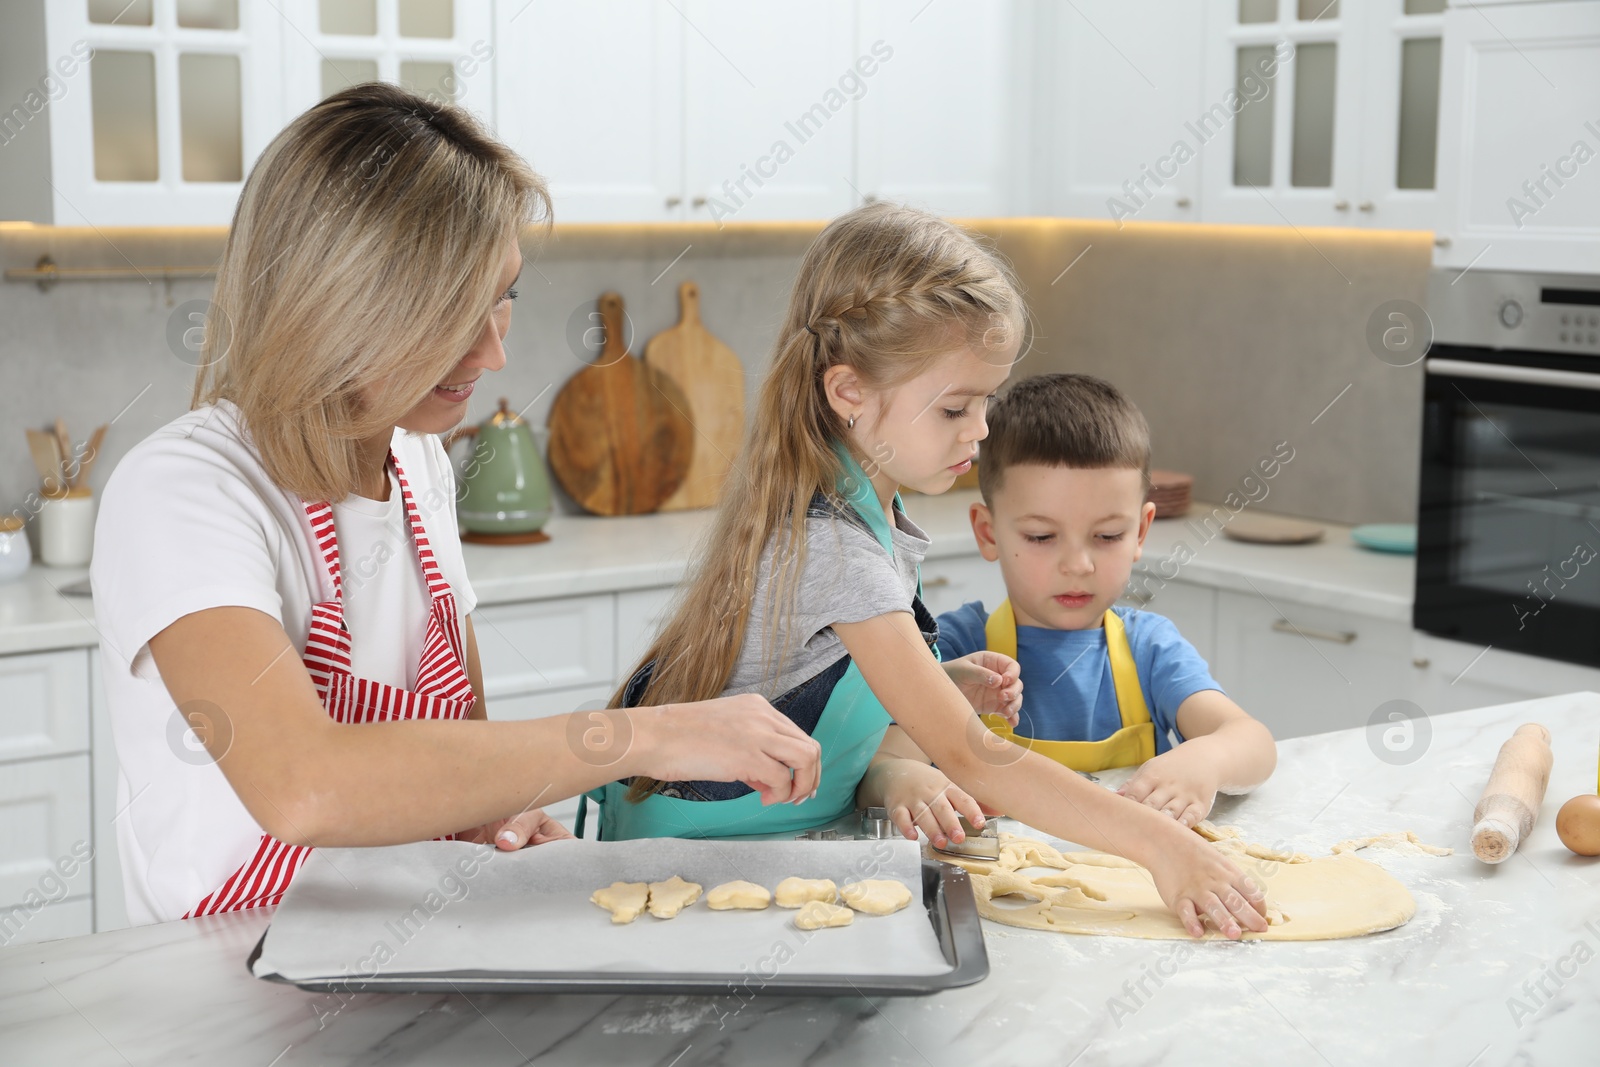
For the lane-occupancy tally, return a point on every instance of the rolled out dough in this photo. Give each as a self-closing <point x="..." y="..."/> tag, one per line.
<point x="1097" y="893"/>
<point x="1398" y="840"/>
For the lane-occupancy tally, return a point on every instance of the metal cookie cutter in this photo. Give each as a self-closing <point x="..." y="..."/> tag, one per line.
<point x="979" y="844"/>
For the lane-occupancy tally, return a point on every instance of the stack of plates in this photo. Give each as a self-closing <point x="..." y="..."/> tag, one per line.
<point x="1169" y="492"/>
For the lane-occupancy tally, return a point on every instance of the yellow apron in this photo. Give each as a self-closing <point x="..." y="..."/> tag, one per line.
<point x="1130" y="746"/>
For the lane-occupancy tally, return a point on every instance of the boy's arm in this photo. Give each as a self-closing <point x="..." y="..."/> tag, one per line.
<point x="1225" y="751"/>
<point x="1192" y="878"/>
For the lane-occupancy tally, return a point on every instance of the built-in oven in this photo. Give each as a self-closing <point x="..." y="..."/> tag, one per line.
<point x="1508" y="519"/>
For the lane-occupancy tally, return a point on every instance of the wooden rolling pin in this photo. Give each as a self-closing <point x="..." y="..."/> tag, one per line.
<point x="1511" y="800"/>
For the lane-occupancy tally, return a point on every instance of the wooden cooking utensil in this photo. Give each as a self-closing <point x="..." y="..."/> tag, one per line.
<point x="46" y="451"/>
<point x="1511" y="800"/>
<point x="713" y="379"/>
<point x="66" y="445"/>
<point x="620" y="437"/>
<point x="90" y="453"/>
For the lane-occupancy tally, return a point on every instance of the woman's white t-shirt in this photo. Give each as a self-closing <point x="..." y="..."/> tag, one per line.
<point x="189" y="520"/>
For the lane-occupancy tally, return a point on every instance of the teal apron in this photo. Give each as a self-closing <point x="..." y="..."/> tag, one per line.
<point x="849" y="730"/>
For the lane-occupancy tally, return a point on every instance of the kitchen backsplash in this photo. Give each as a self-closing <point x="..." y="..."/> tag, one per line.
<point x="1232" y="339"/>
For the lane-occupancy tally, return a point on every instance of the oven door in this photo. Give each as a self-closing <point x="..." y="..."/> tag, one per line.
<point x="1508" y="520"/>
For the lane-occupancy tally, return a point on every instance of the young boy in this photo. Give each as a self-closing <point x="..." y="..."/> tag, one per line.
<point x="1063" y="475"/>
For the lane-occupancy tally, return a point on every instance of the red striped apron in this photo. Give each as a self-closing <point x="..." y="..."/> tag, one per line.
<point x="443" y="692"/>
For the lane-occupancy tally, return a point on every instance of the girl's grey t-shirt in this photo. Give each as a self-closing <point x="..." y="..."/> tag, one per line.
<point x="847" y="577"/>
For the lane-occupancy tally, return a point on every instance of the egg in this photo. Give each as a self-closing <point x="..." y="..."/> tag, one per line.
<point x="1578" y="824"/>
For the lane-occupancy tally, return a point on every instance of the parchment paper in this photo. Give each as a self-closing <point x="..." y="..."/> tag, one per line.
<point x="437" y="906"/>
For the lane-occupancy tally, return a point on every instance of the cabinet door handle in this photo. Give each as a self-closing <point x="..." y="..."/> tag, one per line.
<point x="1182" y="201"/>
<point x="937" y="583"/>
<point x="1342" y="637"/>
<point x="1365" y="205"/>
<point x="674" y="201"/>
<point x="699" y="201"/>
<point x="1341" y="205"/>
<point x="1138" y="598"/>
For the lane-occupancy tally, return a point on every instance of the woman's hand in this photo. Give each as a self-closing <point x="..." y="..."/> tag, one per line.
<point x="729" y="739"/>
<point x="991" y="682"/>
<point x="1199" y="885"/>
<point x="519" y="831"/>
<point x="921" y="797"/>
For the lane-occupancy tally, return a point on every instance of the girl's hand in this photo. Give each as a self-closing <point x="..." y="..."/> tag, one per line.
<point x="1175" y="783"/>
<point x="729" y="739"/>
<point x="1200" y="886"/>
<point x="921" y="797"/>
<point x="991" y="682"/>
<point x="521" y="830"/>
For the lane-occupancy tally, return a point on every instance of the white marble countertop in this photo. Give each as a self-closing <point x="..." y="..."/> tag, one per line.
<point x="1497" y="967"/>
<point x="597" y="555"/>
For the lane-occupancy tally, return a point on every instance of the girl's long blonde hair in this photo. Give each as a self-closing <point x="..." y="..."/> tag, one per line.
<point x="887" y="289"/>
<point x="361" y="265"/>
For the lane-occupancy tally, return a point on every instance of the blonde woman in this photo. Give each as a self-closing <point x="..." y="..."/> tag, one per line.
<point x="899" y="329"/>
<point x="279" y="570"/>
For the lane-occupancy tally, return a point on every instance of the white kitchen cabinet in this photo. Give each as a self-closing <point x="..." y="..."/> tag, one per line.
<point x="44" y="705"/>
<point x="945" y="105"/>
<point x="1306" y="670"/>
<point x="46" y="849"/>
<point x="1459" y="675"/>
<point x="1119" y="82"/>
<point x="1340" y="128"/>
<point x="769" y="108"/>
<point x="1519" y="138"/>
<point x="952" y="581"/>
<point x="640" y="615"/>
<point x="552" y="702"/>
<point x="160" y="127"/>
<point x="1192" y="609"/>
<point x="545" y="645"/>
<point x="593" y="98"/>
<point x="441" y="49"/>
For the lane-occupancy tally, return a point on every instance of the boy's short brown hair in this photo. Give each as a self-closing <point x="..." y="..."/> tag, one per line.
<point x="1062" y="420"/>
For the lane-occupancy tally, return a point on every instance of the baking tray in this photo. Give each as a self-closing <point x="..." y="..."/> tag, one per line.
<point x="946" y="897"/>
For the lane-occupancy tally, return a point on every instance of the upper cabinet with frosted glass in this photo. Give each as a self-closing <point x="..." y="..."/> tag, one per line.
<point x="1321" y="112"/>
<point x="170" y="101"/>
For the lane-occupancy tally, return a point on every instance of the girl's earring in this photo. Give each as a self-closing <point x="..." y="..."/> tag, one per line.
<point x="850" y="423"/>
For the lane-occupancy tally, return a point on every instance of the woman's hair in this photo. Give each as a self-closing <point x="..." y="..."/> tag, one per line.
<point x="886" y="290"/>
<point x="361" y="265"/>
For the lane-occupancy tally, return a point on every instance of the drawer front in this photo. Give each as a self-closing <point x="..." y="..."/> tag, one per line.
<point x="46" y="846"/>
<point x="1192" y="609"/>
<point x="640" y="614"/>
<point x="949" y="583"/>
<point x="65" y="918"/>
<point x="44" y="704"/>
<point x="541" y="645"/>
<point x="1305" y="670"/>
<point x="556" y="702"/>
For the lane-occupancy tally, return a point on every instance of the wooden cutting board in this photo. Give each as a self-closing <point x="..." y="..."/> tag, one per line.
<point x="713" y="379"/>
<point x="620" y="437"/>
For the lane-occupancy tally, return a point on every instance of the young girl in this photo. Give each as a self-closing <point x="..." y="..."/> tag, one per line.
<point x="899" y="329"/>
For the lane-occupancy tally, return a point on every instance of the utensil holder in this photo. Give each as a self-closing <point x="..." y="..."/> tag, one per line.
<point x="66" y="528"/>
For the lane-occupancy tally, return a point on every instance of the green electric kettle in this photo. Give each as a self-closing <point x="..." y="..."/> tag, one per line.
<point x="505" y="491"/>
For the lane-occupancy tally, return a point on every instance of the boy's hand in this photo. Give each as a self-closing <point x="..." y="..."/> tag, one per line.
<point x="991" y="682"/>
<point x="921" y="797"/>
<point x="1176" y="783"/>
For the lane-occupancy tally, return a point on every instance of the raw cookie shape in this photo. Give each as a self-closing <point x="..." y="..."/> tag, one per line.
<point x="741" y="895"/>
<point x="1096" y="893"/>
<point x="816" y="914"/>
<point x="1398" y="840"/>
<point x="672" y="896"/>
<point x="624" y="900"/>
<point x="876" y="896"/>
<point x="793" y="892"/>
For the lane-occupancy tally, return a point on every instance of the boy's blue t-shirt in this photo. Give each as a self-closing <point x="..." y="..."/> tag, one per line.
<point x="1067" y="690"/>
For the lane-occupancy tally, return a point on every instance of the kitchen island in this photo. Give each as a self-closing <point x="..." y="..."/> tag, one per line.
<point x="1499" y="965"/>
